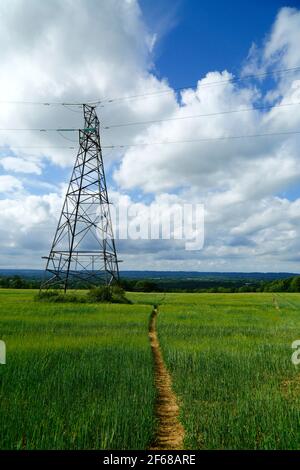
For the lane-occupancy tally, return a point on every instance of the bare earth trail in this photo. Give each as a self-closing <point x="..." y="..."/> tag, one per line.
<point x="170" y="432"/>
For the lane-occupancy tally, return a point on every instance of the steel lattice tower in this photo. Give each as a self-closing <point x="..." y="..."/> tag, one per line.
<point x="83" y="250"/>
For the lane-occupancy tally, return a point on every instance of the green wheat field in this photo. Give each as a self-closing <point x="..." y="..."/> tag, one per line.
<point x="80" y="376"/>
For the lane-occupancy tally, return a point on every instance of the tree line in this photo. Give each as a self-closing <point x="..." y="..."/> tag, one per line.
<point x="291" y="284"/>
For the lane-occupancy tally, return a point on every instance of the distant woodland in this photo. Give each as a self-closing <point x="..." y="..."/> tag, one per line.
<point x="221" y="285"/>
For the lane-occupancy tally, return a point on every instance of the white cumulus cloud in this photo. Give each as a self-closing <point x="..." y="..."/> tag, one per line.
<point x="79" y="51"/>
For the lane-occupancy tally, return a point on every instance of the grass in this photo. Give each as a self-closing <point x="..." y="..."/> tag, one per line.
<point x="230" y="359"/>
<point x="78" y="376"/>
<point x="104" y="294"/>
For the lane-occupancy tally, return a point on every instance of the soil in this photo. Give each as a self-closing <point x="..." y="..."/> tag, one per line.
<point x="170" y="432"/>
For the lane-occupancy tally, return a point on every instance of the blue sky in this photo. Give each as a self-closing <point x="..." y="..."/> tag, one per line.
<point x="224" y="30"/>
<point x="249" y="188"/>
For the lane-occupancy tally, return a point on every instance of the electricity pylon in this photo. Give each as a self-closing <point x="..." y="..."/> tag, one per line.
<point x="83" y="251"/>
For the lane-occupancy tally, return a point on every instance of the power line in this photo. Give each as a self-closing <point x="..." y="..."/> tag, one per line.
<point x="208" y="139"/>
<point x="46" y="103"/>
<point x="35" y="129"/>
<point x="4" y="147"/>
<point x="194" y="116"/>
<point x="110" y="126"/>
<point x="66" y="138"/>
<point x="202" y="85"/>
<point x="99" y="101"/>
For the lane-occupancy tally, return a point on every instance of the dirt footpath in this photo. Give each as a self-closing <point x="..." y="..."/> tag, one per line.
<point x="170" y="432"/>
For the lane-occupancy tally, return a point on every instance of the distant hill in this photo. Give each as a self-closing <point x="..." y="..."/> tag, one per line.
<point x="197" y="275"/>
<point x="171" y="281"/>
<point x="187" y="275"/>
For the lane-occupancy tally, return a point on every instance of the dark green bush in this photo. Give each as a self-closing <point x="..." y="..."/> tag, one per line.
<point x="58" y="296"/>
<point x="100" y="294"/>
<point x="114" y="294"/>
